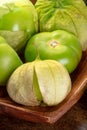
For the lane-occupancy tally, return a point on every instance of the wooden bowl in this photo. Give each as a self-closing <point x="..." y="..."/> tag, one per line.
<point x="48" y="114"/>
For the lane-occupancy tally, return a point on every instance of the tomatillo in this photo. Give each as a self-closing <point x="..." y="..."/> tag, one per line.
<point x="9" y="61"/>
<point x="18" y="22"/>
<point x="58" y="45"/>
<point x="38" y="82"/>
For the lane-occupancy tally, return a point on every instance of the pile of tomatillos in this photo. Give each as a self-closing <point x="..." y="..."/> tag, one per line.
<point x="40" y="46"/>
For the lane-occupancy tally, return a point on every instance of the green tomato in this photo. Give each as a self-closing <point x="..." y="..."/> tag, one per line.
<point x="57" y="45"/>
<point x="18" y="22"/>
<point x="9" y="61"/>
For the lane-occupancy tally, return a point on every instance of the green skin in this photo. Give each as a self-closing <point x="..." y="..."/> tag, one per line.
<point x="18" y="19"/>
<point x="18" y="24"/>
<point x="9" y="61"/>
<point x="57" y="45"/>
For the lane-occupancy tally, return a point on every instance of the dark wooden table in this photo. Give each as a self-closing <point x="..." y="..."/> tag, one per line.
<point x="74" y="119"/>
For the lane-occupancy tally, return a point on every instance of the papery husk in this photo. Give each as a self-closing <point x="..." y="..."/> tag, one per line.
<point x="52" y="80"/>
<point x="20" y="86"/>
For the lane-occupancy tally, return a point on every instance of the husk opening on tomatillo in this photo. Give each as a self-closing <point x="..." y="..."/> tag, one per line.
<point x="40" y="81"/>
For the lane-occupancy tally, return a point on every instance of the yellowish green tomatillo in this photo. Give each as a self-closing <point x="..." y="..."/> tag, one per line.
<point x="39" y="81"/>
<point x="18" y="22"/>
